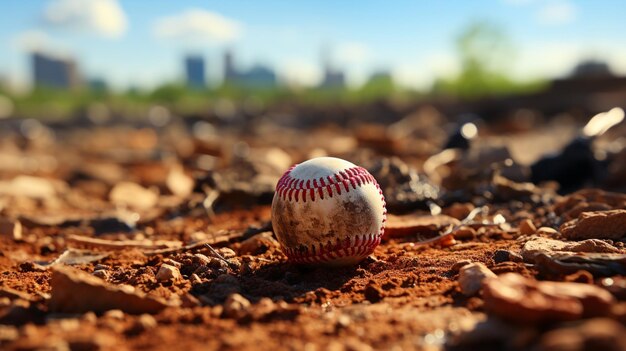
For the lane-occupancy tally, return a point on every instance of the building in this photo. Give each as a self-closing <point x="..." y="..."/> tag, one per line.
<point x="230" y="73"/>
<point x="54" y="72"/>
<point x="258" y="76"/>
<point x="333" y="78"/>
<point x="194" y="71"/>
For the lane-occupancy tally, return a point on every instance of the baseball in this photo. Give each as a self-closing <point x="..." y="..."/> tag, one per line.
<point x="328" y="210"/>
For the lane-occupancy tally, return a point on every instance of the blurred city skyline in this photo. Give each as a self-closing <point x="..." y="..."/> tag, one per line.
<point x="144" y="44"/>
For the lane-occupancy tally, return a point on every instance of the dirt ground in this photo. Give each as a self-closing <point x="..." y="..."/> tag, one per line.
<point x="103" y="233"/>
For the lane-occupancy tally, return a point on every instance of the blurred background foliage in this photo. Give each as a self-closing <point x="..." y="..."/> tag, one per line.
<point x="484" y="51"/>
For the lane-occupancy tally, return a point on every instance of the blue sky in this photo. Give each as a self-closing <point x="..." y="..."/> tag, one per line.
<point x="141" y="43"/>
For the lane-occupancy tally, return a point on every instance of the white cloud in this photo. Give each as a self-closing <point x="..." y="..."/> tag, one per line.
<point x="198" y="25"/>
<point x="546" y="60"/>
<point x="32" y="40"/>
<point x="353" y="52"/>
<point x="421" y="74"/>
<point x="557" y="13"/>
<point x="301" y="73"/>
<point x="102" y="17"/>
<point x="38" y="41"/>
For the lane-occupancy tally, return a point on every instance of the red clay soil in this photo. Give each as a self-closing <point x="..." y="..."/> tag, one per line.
<point x="405" y="296"/>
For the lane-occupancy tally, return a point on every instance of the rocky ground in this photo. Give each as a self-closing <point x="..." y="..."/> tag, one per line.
<point x="121" y="238"/>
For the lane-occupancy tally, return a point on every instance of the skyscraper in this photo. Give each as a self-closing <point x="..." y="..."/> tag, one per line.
<point x="194" y="70"/>
<point x="230" y="74"/>
<point x="257" y="76"/>
<point x="333" y="78"/>
<point x="54" y="72"/>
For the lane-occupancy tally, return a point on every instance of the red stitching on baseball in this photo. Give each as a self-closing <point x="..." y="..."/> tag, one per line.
<point x="363" y="246"/>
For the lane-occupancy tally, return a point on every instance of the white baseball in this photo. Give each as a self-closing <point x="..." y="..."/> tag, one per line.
<point x="328" y="210"/>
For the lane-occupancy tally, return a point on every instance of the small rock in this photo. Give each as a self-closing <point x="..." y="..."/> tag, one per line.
<point x="226" y="252"/>
<point x="179" y="183"/>
<point x="264" y="307"/>
<point x="195" y="279"/>
<point x="188" y="300"/>
<point x="90" y="317"/>
<point x="201" y="259"/>
<point x="143" y="323"/>
<point x="101" y="266"/>
<point x="115" y="314"/>
<point x="471" y="277"/>
<point x="257" y="244"/>
<point x="598" y="225"/>
<point x="8" y="333"/>
<point x="78" y="257"/>
<point x="464" y="233"/>
<point x="513" y="297"/>
<point x="12" y="229"/>
<point x="526" y="227"/>
<point x="373" y="293"/>
<point x="540" y="245"/>
<point x="236" y="306"/>
<point x="506" y="256"/>
<point x="593" y="334"/>
<point x="547" y="231"/>
<point x="146" y="321"/>
<point x="171" y="262"/>
<point x="30" y="266"/>
<point x="32" y="187"/>
<point x="403" y="187"/>
<point x="75" y="291"/>
<point x="101" y="273"/>
<point x="133" y="195"/>
<point x="459" y="264"/>
<point x="168" y="273"/>
<point x="398" y="226"/>
<point x="458" y="210"/>
<point x="217" y="263"/>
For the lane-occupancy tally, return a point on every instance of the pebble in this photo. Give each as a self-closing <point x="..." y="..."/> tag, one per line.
<point x="399" y="226"/>
<point x="593" y="334"/>
<point x="171" y="262"/>
<point x="459" y="210"/>
<point x="115" y="314"/>
<point x="522" y="300"/>
<point x="218" y="263"/>
<point x="506" y="256"/>
<point x="226" y="252"/>
<point x="195" y="279"/>
<point x="12" y="229"/>
<point x="142" y="324"/>
<point x="547" y="231"/>
<point x="168" y="273"/>
<point x="201" y="259"/>
<point x="471" y="277"/>
<point x="101" y="267"/>
<point x="457" y="266"/>
<point x="598" y="225"/>
<point x="101" y="273"/>
<point x="464" y="233"/>
<point x="539" y="245"/>
<point x="133" y="195"/>
<point x="373" y="293"/>
<point x="235" y="306"/>
<point x="8" y="333"/>
<point x="257" y="244"/>
<point x="75" y="291"/>
<point x="527" y="227"/>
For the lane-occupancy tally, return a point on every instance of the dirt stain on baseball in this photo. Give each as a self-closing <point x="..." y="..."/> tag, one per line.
<point x="304" y="223"/>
